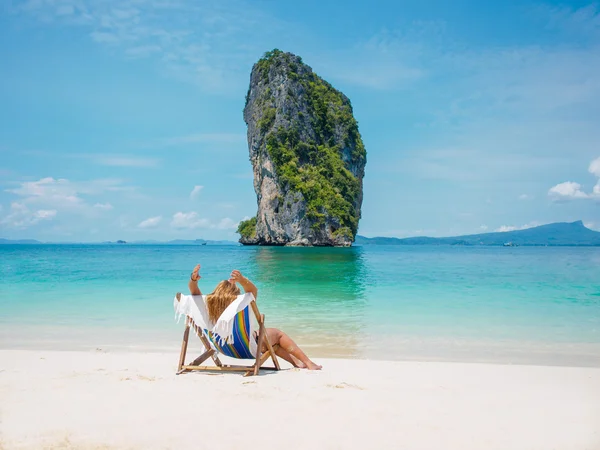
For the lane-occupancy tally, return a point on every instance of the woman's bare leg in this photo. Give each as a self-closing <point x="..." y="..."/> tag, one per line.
<point x="273" y="336"/>
<point x="282" y="353"/>
<point x="289" y="350"/>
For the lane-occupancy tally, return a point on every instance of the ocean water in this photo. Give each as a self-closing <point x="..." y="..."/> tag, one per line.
<point x="536" y="305"/>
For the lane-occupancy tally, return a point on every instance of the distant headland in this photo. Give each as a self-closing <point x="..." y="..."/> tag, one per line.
<point x="553" y="234"/>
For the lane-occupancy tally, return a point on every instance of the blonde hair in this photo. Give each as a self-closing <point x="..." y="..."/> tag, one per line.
<point x="218" y="300"/>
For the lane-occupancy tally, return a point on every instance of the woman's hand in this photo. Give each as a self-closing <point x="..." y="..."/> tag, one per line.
<point x="236" y="277"/>
<point x="193" y="283"/>
<point x="195" y="273"/>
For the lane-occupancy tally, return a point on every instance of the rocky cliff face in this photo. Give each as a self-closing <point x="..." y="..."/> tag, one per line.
<point x="307" y="155"/>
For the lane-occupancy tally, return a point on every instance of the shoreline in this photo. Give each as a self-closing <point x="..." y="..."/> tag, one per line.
<point x="393" y="347"/>
<point x="65" y="399"/>
<point x="544" y="361"/>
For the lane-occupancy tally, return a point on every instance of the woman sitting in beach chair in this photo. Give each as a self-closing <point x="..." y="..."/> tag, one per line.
<point x="226" y="292"/>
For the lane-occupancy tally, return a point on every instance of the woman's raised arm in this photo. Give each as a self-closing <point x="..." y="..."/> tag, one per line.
<point x="193" y="283"/>
<point x="237" y="277"/>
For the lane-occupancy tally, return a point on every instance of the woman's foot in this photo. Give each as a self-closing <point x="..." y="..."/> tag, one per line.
<point x="312" y="366"/>
<point x="297" y="363"/>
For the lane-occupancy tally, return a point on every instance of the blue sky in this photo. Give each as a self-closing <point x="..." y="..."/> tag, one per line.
<point x="122" y="119"/>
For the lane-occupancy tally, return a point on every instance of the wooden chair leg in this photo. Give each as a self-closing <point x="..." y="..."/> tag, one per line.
<point x="214" y="356"/>
<point x="209" y="352"/>
<point x="217" y="361"/>
<point x="263" y="358"/>
<point x="203" y="357"/>
<point x="261" y="338"/>
<point x="184" y="344"/>
<point x="270" y="348"/>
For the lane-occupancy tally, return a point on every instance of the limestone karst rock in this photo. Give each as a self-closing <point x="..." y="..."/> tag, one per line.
<point x="307" y="156"/>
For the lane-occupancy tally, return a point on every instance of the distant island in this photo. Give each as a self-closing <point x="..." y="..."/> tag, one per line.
<point x="19" y="241"/>
<point x="554" y="234"/>
<point x="120" y="242"/>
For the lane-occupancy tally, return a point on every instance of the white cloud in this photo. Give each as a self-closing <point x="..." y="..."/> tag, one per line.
<point x="525" y="197"/>
<point x="59" y="192"/>
<point x="189" y="220"/>
<point x="505" y="228"/>
<point x="483" y="227"/>
<point x="591" y="226"/>
<point x="63" y="192"/>
<point x="197" y="42"/>
<point x="21" y="216"/>
<point x="594" y="168"/>
<point x="196" y="192"/>
<point x="571" y="190"/>
<point x="567" y="190"/>
<point x="151" y="222"/>
<point x="65" y="196"/>
<point x="103" y="206"/>
<point x="45" y="214"/>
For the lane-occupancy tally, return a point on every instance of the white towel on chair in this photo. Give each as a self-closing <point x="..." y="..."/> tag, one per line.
<point x="194" y="307"/>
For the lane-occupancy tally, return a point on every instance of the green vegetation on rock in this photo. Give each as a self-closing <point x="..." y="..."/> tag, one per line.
<point x="274" y="57"/>
<point x="247" y="228"/>
<point x="319" y="174"/>
<point x="314" y="167"/>
<point x="268" y="119"/>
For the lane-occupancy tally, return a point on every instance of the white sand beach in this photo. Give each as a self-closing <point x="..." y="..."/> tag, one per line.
<point x="106" y="400"/>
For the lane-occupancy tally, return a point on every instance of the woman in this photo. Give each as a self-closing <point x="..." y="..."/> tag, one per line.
<point x="226" y="292"/>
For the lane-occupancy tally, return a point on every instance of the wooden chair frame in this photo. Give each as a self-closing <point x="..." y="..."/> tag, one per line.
<point x="210" y="352"/>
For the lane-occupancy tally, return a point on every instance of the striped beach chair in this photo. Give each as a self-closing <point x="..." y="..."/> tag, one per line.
<point x="235" y="335"/>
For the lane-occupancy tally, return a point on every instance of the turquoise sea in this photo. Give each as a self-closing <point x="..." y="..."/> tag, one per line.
<point x="514" y="305"/>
